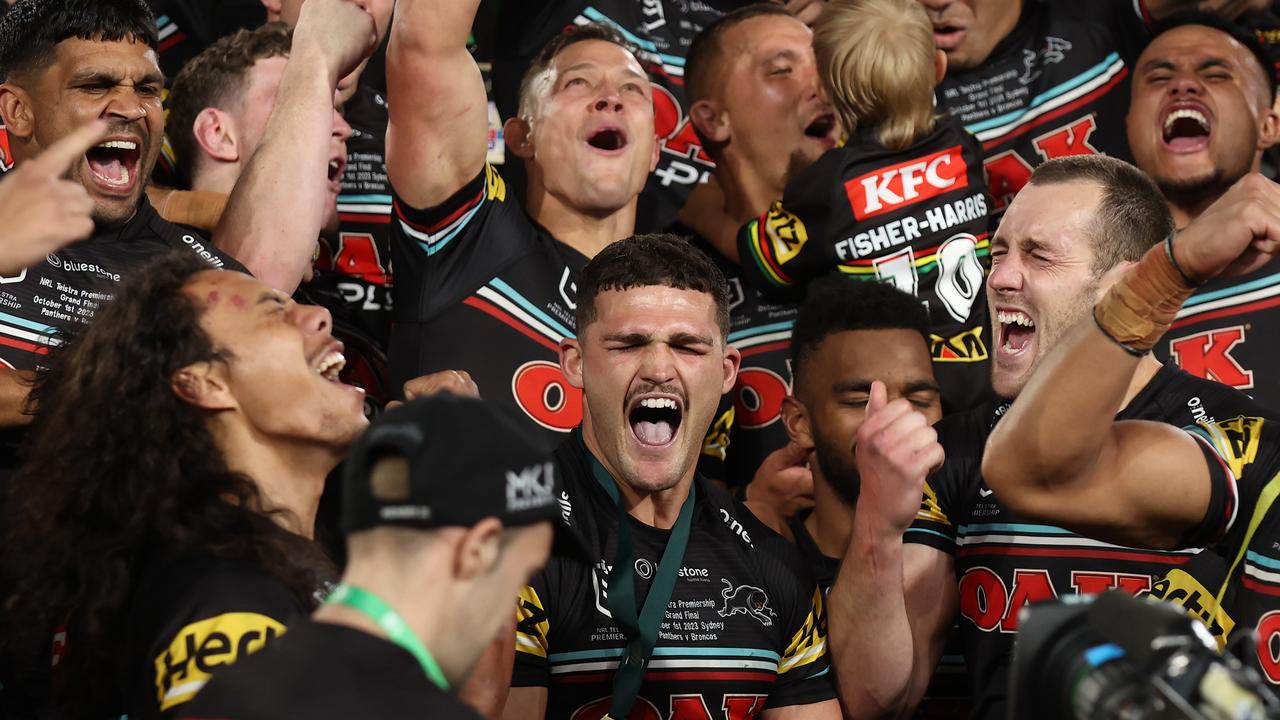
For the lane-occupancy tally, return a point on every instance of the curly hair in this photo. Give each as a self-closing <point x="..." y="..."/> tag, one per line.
<point x="118" y="465"/>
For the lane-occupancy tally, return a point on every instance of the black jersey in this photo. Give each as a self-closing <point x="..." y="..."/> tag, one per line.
<point x="1003" y="562"/>
<point x="1244" y="470"/>
<point x="1056" y="85"/>
<point x="194" y="614"/>
<point x="1228" y="331"/>
<point x="744" y="631"/>
<point x="748" y="424"/>
<point x="67" y="288"/>
<point x="661" y="31"/>
<point x="485" y="289"/>
<point x="356" y="266"/>
<point x="320" y="670"/>
<point x="916" y="218"/>
<point x="187" y="27"/>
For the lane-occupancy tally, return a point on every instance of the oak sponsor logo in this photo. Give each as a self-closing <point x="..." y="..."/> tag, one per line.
<point x="202" y="648"/>
<point x="681" y="707"/>
<point x="1208" y="355"/>
<point x="965" y="347"/>
<point x="909" y="182"/>
<point x="992" y="606"/>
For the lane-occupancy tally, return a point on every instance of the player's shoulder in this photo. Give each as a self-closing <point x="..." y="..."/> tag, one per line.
<point x="1178" y="397"/>
<point x="779" y="561"/>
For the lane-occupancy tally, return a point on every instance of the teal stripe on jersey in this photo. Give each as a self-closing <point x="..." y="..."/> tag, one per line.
<point x="365" y="199"/>
<point x="948" y="538"/>
<point x="1047" y="95"/>
<point x="20" y="322"/>
<point x="1019" y="528"/>
<point x="666" y="652"/>
<point x="529" y="307"/>
<point x="761" y="330"/>
<point x="1258" y="284"/>
<point x="596" y="16"/>
<point x="1263" y="560"/>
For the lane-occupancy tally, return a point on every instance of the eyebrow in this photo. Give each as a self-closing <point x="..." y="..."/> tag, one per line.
<point x="270" y="296"/>
<point x="680" y="338"/>
<point x="783" y="54"/>
<point x="864" y="386"/>
<point x="591" y="65"/>
<point x="1163" y="64"/>
<point x="107" y="77"/>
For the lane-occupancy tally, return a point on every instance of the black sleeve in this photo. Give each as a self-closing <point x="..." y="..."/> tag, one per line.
<point x="441" y="254"/>
<point x="946" y="489"/>
<point x="533" y="625"/>
<point x="1243" y="456"/>
<point x="227" y="615"/>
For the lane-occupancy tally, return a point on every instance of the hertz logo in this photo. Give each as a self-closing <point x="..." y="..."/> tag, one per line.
<point x="201" y="648"/>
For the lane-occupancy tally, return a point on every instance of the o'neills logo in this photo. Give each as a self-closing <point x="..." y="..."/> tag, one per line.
<point x="203" y="252"/>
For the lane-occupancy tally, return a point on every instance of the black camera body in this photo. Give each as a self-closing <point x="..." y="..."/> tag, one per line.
<point x="1117" y="656"/>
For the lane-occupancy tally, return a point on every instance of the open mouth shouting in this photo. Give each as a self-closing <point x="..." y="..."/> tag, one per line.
<point x="330" y="362"/>
<point x="609" y="139"/>
<point x="337" y="167"/>
<point x="1186" y="128"/>
<point x="947" y="36"/>
<point x="1017" y="332"/>
<point x="114" y="165"/>
<point x="822" y="128"/>
<point x="655" y="419"/>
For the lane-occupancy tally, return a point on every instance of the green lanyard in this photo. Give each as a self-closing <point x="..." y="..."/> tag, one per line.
<point x="374" y="608"/>
<point x="640" y="628"/>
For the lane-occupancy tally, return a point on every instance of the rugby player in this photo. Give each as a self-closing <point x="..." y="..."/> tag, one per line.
<point x="65" y="63"/>
<point x="903" y="200"/>
<point x="1039" y="79"/>
<point x="736" y="620"/>
<point x="1149" y="484"/>
<point x="354" y="264"/>
<point x="163" y="518"/>
<point x="1201" y="118"/>
<point x="483" y="287"/>
<point x="912" y="564"/>
<point x="443" y="530"/>
<point x="752" y="84"/>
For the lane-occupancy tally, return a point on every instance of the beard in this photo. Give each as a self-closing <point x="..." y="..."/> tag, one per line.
<point x="1195" y="192"/>
<point x="840" y="471"/>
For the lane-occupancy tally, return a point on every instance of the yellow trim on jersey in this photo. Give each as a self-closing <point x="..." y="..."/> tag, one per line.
<point x="1236" y="441"/>
<point x="810" y="641"/>
<point x="203" y="647"/>
<point x="533" y="617"/>
<point x="869" y="272"/>
<point x="930" y="509"/>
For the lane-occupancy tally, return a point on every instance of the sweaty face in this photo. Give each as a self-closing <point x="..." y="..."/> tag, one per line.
<point x="254" y="110"/>
<point x="1042" y="279"/>
<point x="968" y="30"/>
<point x="1199" y="101"/>
<point x="592" y="133"/>
<point x="119" y="82"/>
<point x="835" y="385"/>
<point x="770" y="92"/>
<point x="654" y="365"/>
<point x="283" y="373"/>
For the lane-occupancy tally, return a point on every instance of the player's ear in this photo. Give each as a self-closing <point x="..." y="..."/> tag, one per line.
<point x="518" y="135"/>
<point x="214" y="131"/>
<point x="711" y="121"/>
<point x="732" y="361"/>
<point x="273" y="9"/>
<point x="1269" y="129"/>
<point x="15" y="109"/>
<point x="939" y="67"/>
<point x="204" y="385"/>
<point x="795" y="419"/>
<point x="478" y="551"/>
<point x="571" y="361"/>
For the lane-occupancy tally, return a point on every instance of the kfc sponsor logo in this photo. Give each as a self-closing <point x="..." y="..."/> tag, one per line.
<point x="893" y="187"/>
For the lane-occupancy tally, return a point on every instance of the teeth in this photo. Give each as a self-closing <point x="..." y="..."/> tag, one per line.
<point x="333" y="164"/>
<point x="331" y="365"/>
<point x="119" y="145"/>
<point x="1014" y="318"/>
<point x="658" y="403"/>
<point x="1186" y="113"/>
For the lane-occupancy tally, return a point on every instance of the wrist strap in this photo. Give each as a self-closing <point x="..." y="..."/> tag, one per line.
<point x="1137" y="310"/>
<point x="397" y="630"/>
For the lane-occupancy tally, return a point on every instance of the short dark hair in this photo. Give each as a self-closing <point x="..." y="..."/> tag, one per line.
<point x="1132" y="216"/>
<point x="557" y="45"/>
<point x="211" y="79"/>
<point x="1266" y="60"/>
<point x="31" y="28"/>
<point x="647" y="261"/>
<point x="836" y="304"/>
<point x="705" y="50"/>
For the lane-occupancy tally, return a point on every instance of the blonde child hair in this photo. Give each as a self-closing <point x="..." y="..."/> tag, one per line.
<point x="877" y="62"/>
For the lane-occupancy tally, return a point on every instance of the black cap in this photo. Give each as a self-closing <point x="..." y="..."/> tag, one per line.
<point x="468" y="460"/>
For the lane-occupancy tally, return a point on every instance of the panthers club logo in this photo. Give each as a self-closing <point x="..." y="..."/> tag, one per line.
<point x="747" y="600"/>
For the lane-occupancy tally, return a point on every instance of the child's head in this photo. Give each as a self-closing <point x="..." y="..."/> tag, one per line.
<point x="879" y="65"/>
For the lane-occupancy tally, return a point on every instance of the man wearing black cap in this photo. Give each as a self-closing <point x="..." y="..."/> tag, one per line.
<point x="442" y="532"/>
<point x="687" y="606"/>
